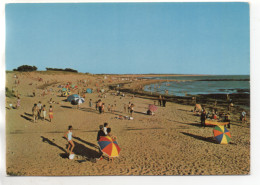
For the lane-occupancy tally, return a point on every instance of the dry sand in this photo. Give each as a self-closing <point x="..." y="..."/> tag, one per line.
<point x="169" y="143"/>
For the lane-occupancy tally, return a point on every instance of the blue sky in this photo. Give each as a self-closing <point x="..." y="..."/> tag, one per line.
<point x="130" y="38"/>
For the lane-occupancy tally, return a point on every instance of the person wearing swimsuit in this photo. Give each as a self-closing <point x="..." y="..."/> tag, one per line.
<point x="68" y="135"/>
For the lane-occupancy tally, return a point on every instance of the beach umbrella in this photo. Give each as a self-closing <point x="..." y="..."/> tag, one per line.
<point x="89" y="90"/>
<point x="109" y="146"/>
<point x="66" y="93"/>
<point x="64" y="89"/>
<point x="152" y="108"/>
<point x="221" y="134"/>
<point x="73" y="96"/>
<point x="78" y="101"/>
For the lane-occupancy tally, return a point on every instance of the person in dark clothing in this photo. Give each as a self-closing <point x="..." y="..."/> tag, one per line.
<point x="227" y="119"/>
<point x="203" y="118"/>
<point x="100" y="132"/>
<point x="160" y="100"/>
<point x="164" y="102"/>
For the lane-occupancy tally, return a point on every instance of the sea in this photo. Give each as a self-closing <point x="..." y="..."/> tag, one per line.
<point x="196" y="85"/>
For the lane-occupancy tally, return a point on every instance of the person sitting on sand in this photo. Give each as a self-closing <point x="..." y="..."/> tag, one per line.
<point x="100" y="132"/>
<point x="68" y="135"/>
<point x="51" y="113"/>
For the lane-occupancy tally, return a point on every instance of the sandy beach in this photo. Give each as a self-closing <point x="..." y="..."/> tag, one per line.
<point x="171" y="142"/>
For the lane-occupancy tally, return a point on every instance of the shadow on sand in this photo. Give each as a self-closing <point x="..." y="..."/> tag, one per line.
<point x="131" y="128"/>
<point x="25" y="117"/>
<point x="207" y="139"/>
<point x="87" y="153"/>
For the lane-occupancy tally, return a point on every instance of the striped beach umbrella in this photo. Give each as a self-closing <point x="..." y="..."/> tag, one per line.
<point x="221" y="134"/>
<point x="109" y="146"/>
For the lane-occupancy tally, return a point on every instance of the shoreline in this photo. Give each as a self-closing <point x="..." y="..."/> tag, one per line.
<point x="241" y="101"/>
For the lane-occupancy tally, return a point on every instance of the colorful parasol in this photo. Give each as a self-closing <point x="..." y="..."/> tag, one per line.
<point x="109" y="146"/>
<point x="152" y="108"/>
<point x="221" y="134"/>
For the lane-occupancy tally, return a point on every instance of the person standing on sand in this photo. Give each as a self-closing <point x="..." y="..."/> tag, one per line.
<point x="132" y="109"/>
<point x="129" y="105"/>
<point x="243" y="116"/>
<point x="90" y="103"/>
<point x="39" y="105"/>
<point x="227" y="119"/>
<point x="203" y="118"/>
<point x="100" y="134"/>
<point x="160" y="100"/>
<point x="125" y="107"/>
<point x="35" y="113"/>
<point x="68" y="135"/>
<point x="112" y="109"/>
<point x="103" y="108"/>
<point x="164" y="102"/>
<point x="18" y="103"/>
<point x="100" y="106"/>
<point x="108" y="108"/>
<point x="51" y="113"/>
<point x="44" y="112"/>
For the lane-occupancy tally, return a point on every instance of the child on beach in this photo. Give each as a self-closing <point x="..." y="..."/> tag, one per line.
<point x="103" y="108"/>
<point x="129" y="105"/>
<point x="132" y="109"/>
<point x="68" y="135"/>
<point x="44" y="113"/>
<point x="51" y="113"/>
<point x="18" y="103"/>
<point x="243" y="116"/>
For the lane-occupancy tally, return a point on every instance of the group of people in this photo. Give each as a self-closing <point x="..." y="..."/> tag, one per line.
<point x="39" y="112"/>
<point x="162" y="101"/>
<point x="104" y="130"/>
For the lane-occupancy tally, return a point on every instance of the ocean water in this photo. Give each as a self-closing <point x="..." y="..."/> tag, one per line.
<point x="219" y="84"/>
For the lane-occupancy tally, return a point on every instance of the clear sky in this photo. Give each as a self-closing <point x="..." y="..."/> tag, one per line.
<point x="182" y="38"/>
